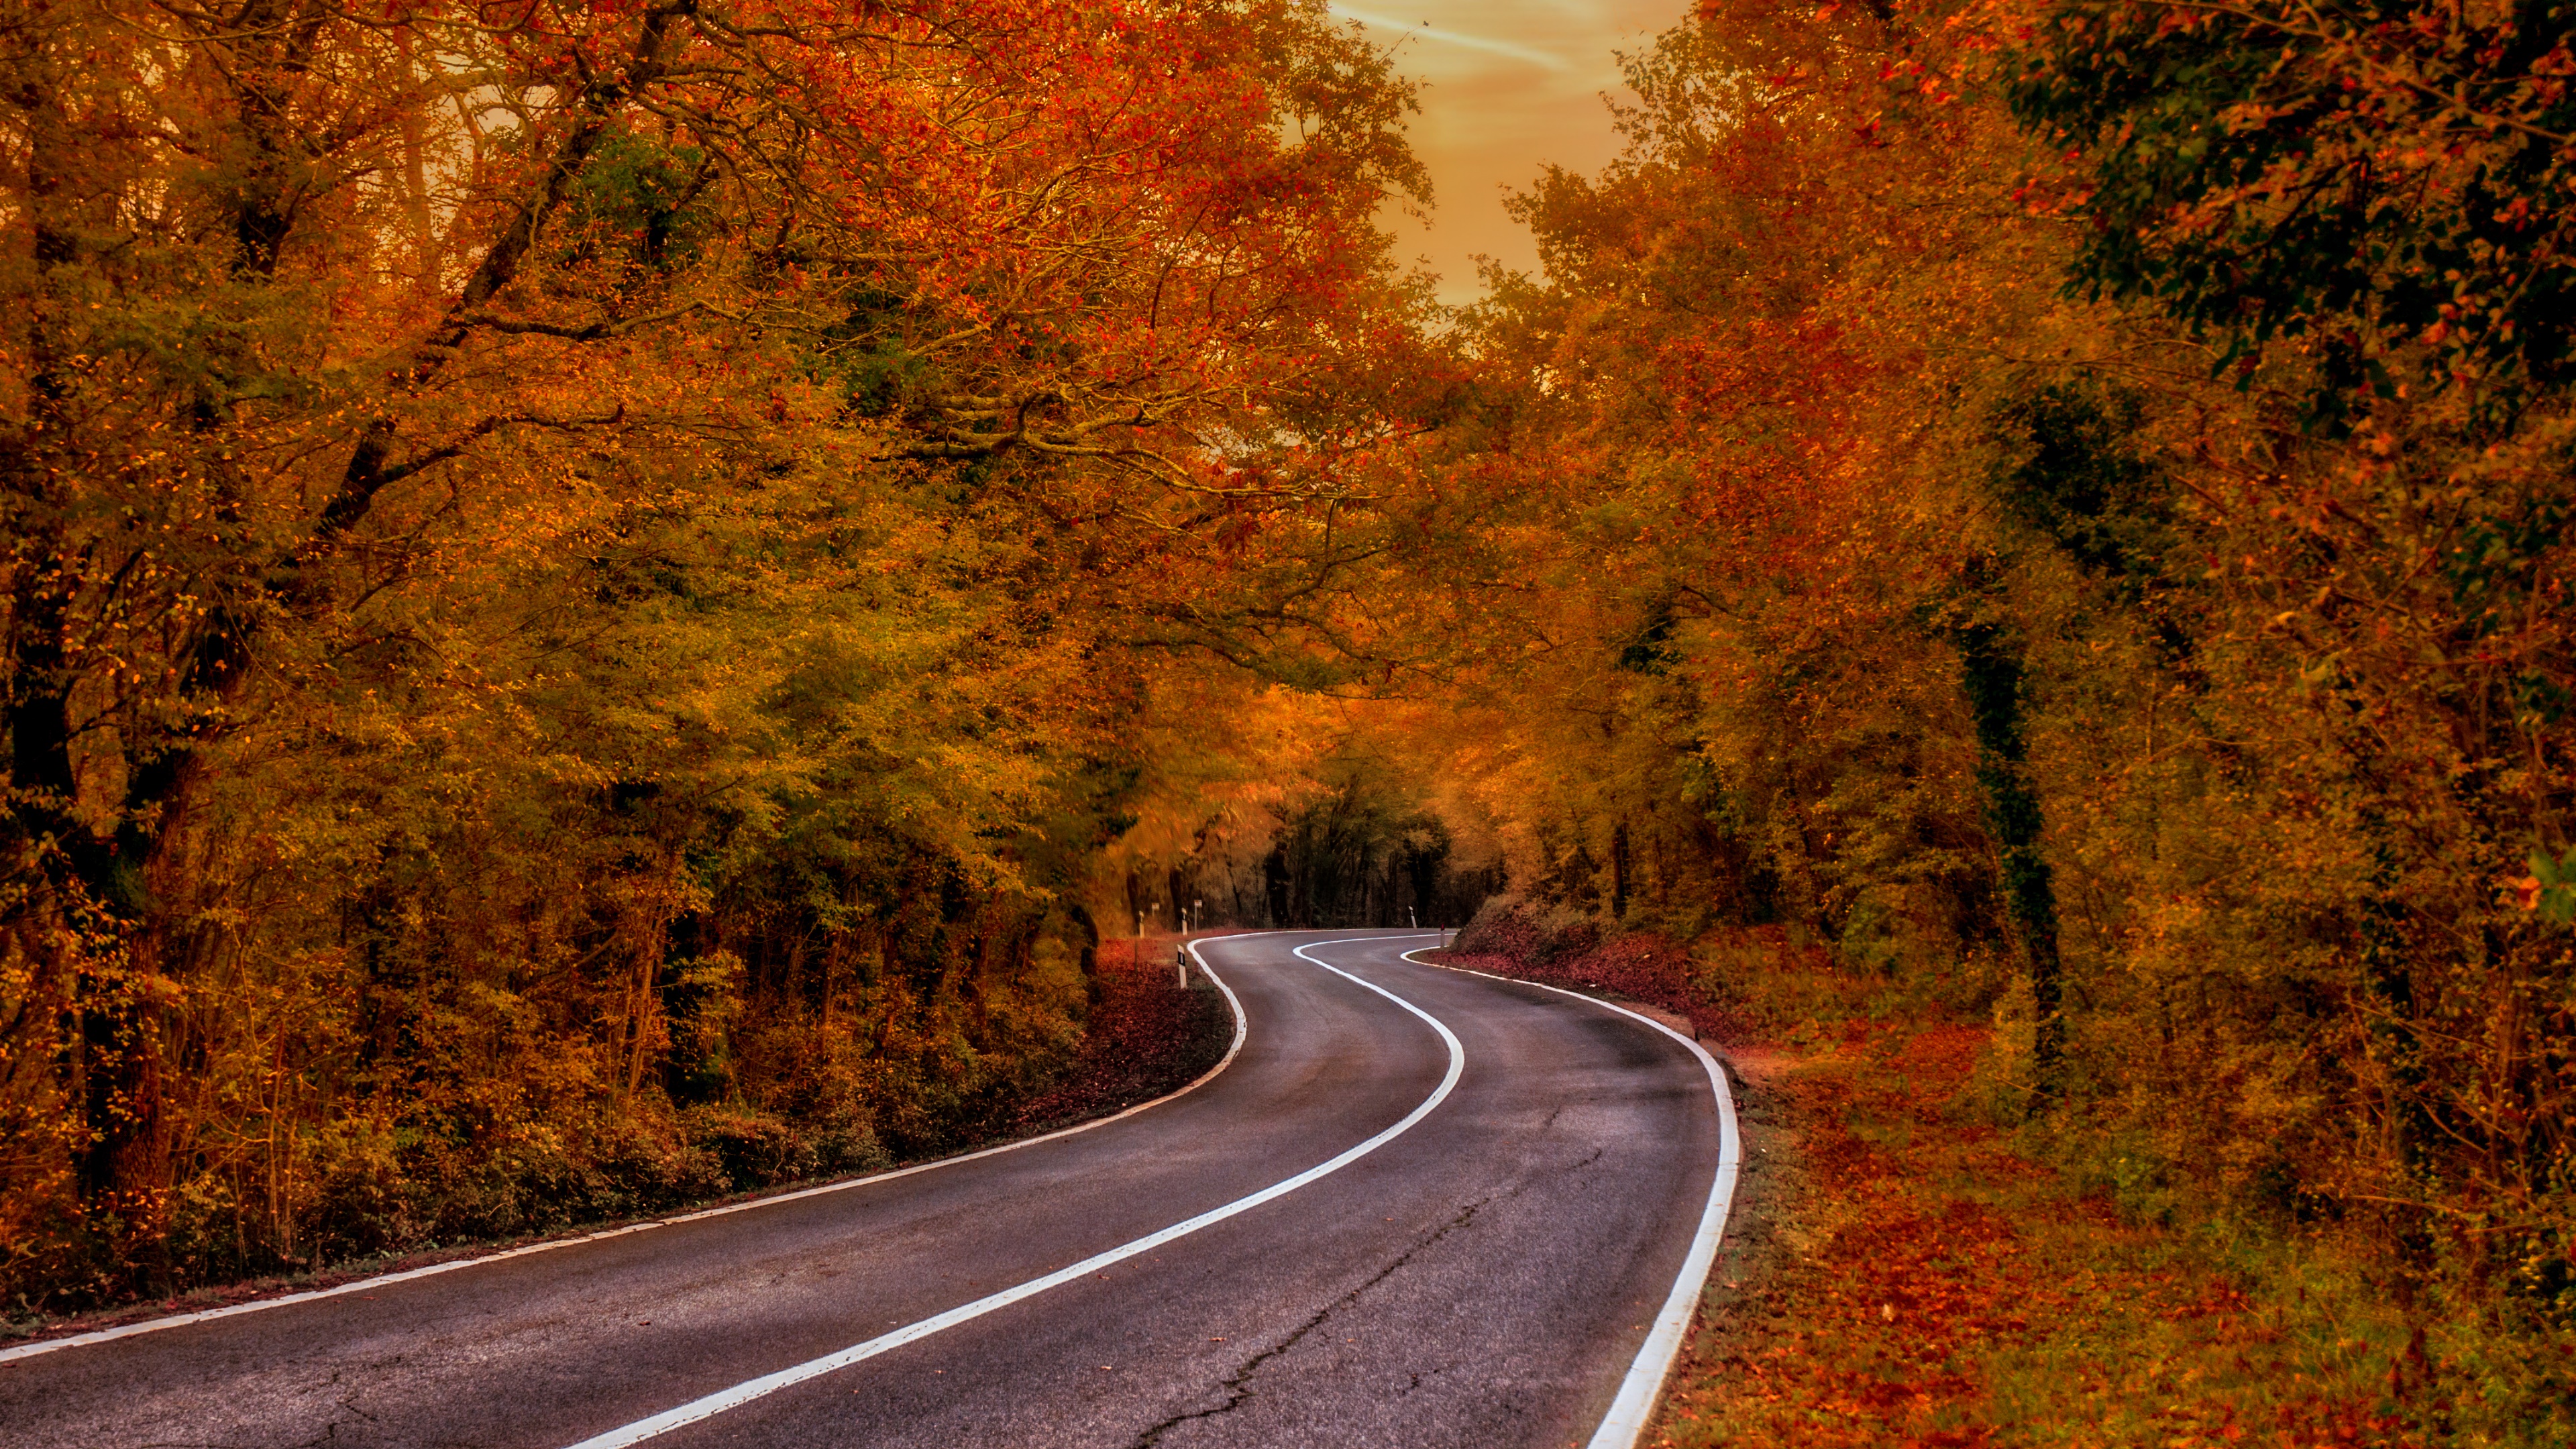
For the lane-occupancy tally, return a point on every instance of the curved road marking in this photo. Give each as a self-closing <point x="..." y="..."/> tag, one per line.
<point x="182" y="1320"/>
<point x="1625" y="1424"/>
<point x="743" y="1393"/>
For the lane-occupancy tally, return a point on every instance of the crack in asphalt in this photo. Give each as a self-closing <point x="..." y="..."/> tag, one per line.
<point x="347" y="1415"/>
<point x="1237" y="1384"/>
<point x="350" y="1414"/>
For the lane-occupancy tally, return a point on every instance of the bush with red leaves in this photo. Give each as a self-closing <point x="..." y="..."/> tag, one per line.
<point x="1556" y="946"/>
<point x="1147" y="1037"/>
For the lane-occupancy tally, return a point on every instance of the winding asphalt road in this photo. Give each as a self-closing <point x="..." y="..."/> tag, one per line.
<point x="1485" y="1276"/>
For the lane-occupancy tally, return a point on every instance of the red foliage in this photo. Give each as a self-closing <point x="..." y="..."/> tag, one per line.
<point x="1948" y="1287"/>
<point x="1639" y="966"/>
<point x="1944" y="1270"/>
<point x="1146" y="1037"/>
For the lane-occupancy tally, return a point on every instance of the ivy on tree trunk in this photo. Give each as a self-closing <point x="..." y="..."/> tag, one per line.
<point x="1990" y="672"/>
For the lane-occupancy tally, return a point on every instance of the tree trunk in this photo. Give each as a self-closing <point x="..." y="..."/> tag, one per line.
<point x="1991" y="675"/>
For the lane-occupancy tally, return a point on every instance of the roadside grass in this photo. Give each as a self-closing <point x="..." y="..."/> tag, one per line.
<point x="1904" y="1272"/>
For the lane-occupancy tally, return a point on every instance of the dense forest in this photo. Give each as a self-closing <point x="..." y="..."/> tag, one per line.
<point x="2064" y="506"/>
<point x="598" y="591"/>
<point x="588" y="584"/>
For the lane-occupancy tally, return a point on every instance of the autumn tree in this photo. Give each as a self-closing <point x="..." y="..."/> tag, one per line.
<point x="2061" y="504"/>
<point x="534" y="528"/>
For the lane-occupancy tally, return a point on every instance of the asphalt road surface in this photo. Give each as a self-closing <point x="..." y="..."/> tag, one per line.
<point x="1484" y="1275"/>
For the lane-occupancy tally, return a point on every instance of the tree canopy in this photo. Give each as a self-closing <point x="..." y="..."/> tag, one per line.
<point x="607" y="600"/>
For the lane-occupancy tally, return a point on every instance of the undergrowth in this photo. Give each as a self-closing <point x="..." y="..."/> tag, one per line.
<point x="1143" y="1037"/>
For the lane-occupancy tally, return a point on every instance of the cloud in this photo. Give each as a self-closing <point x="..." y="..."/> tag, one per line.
<point x="1510" y="86"/>
<point x="1427" y="31"/>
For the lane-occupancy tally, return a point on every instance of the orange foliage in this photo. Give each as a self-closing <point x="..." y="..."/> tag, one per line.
<point x="583" y="578"/>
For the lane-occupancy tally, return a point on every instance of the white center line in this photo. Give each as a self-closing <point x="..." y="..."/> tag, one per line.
<point x="743" y="1393"/>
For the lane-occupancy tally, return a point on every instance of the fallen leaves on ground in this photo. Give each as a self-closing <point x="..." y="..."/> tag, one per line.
<point x="1914" y="1280"/>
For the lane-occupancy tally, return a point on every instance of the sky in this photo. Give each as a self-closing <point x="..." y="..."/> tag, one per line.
<point x="1509" y="85"/>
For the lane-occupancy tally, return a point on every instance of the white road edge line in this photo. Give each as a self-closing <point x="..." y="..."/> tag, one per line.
<point x="1626" y="1422"/>
<point x="182" y="1320"/>
<point x="743" y="1393"/>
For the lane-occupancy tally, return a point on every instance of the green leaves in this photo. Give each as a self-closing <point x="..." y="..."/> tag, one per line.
<point x="644" y="199"/>
<point x="2550" y="890"/>
<point x="2386" y="184"/>
<point x="2072" y="471"/>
